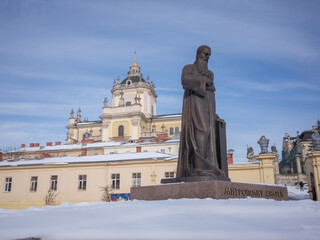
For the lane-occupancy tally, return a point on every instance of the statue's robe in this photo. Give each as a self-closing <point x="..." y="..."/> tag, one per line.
<point x="198" y="153"/>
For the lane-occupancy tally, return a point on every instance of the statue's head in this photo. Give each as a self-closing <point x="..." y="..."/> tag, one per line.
<point x="203" y="53"/>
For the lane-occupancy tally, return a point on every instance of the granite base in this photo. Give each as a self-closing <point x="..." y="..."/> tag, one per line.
<point x="208" y="189"/>
<point x="194" y="179"/>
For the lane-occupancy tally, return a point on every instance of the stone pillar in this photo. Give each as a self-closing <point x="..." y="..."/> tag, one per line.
<point x="312" y="168"/>
<point x="298" y="164"/>
<point x="299" y="171"/>
<point x="266" y="165"/>
<point x="276" y="169"/>
<point x="135" y="134"/>
<point x="105" y="131"/>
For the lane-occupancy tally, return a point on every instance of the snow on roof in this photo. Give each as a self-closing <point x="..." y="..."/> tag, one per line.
<point x="168" y="115"/>
<point x="86" y="159"/>
<point x="89" y="122"/>
<point x="94" y="145"/>
<point x="69" y="146"/>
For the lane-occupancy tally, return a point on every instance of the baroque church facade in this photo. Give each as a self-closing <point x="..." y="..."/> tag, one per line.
<point x="131" y="115"/>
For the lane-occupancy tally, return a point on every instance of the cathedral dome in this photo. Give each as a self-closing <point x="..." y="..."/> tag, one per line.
<point x="132" y="79"/>
<point x="134" y="74"/>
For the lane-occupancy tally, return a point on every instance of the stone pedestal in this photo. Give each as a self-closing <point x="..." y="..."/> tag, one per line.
<point x="267" y="167"/>
<point x="208" y="189"/>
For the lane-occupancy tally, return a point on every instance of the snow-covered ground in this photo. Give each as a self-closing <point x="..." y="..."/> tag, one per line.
<point x="171" y="219"/>
<point x="295" y="193"/>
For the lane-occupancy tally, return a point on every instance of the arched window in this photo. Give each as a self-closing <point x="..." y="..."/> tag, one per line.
<point x="86" y="135"/>
<point x="128" y="103"/>
<point x="171" y="131"/>
<point x="176" y="130"/>
<point x="120" y="131"/>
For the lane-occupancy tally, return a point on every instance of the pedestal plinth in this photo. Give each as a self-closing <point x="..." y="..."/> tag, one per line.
<point x="208" y="189"/>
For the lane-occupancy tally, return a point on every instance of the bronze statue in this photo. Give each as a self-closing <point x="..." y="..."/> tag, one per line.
<point x="198" y="147"/>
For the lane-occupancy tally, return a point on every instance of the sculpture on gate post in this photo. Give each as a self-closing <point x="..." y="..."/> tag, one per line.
<point x="198" y="152"/>
<point x="263" y="142"/>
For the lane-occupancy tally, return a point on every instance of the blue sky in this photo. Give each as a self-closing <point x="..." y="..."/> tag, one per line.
<point x="59" y="55"/>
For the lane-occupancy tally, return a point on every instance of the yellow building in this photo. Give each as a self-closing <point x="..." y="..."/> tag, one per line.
<point x="26" y="182"/>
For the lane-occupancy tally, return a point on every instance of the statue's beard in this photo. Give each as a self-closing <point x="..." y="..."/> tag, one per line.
<point x="202" y="67"/>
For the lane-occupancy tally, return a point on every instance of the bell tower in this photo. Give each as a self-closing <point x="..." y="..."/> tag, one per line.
<point x="133" y="87"/>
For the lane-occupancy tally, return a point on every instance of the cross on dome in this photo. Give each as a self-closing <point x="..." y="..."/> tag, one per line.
<point x="135" y="61"/>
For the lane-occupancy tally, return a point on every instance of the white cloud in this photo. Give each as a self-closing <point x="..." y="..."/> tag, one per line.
<point x="276" y="86"/>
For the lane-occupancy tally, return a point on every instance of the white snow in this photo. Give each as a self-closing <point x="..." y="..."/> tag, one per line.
<point x="170" y="219"/>
<point x="295" y="193"/>
<point x="168" y="116"/>
<point x="91" y="145"/>
<point x="94" y="158"/>
<point x="70" y="146"/>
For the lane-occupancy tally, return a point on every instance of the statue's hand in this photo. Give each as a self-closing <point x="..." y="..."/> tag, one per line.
<point x="209" y="82"/>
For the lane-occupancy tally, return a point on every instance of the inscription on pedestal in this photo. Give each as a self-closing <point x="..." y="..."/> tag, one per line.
<point x="242" y="192"/>
<point x="234" y="192"/>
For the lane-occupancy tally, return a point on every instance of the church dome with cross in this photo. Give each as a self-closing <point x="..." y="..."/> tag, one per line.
<point x="134" y="89"/>
<point x="134" y="75"/>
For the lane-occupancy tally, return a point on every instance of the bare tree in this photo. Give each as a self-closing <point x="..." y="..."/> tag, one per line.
<point x="106" y="194"/>
<point x="50" y="197"/>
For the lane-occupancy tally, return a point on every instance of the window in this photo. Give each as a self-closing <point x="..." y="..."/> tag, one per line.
<point x="86" y="135"/>
<point x="54" y="183"/>
<point x="120" y="131"/>
<point x="115" y="181"/>
<point x="33" y="184"/>
<point x="128" y="103"/>
<point x="136" y="179"/>
<point x="169" y="174"/>
<point x="171" y="131"/>
<point x="163" y="151"/>
<point x="176" y="130"/>
<point x="8" y="184"/>
<point x="82" y="182"/>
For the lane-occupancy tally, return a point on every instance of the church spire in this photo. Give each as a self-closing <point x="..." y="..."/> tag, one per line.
<point x="135" y="60"/>
<point x="134" y="68"/>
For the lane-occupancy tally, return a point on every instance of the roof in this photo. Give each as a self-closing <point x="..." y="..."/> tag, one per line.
<point x="168" y="115"/>
<point x="90" y="159"/>
<point x="79" y="146"/>
<point x="306" y="135"/>
<point x="133" y="79"/>
<point x="89" y="122"/>
<point x="69" y="146"/>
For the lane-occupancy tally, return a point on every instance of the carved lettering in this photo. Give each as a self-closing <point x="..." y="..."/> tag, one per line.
<point x="242" y="192"/>
<point x="274" y="194"/>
